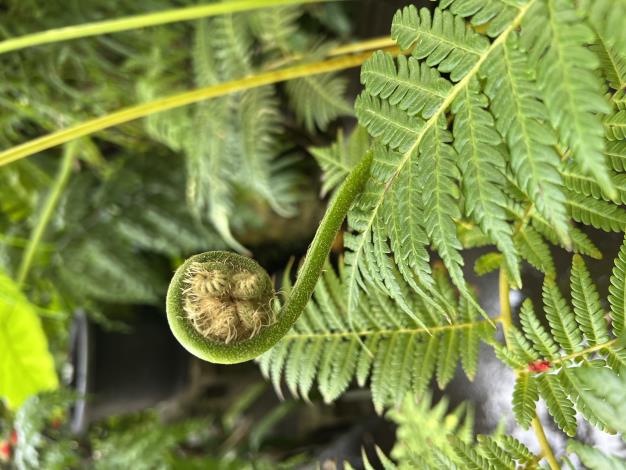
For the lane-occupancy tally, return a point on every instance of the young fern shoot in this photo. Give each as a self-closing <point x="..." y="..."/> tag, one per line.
<point x="221" y="306"/>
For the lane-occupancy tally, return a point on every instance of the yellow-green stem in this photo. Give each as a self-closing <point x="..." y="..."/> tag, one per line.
<point x="544" y="444"/>
<point x="164" y="104"/>
<point x="507" y="321"/>
<point x="47" y="210"/>
<point x="141" y="21"/>
<point x="426" y="331"/>
<point x="505" y="303"/>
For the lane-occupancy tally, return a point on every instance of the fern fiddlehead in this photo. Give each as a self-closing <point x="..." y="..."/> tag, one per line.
<point x="221" y="306"/>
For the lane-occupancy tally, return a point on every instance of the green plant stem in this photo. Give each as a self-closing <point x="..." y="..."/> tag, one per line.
<point x="544" y="444"/>
<point x="39" y="230"/>
<point x="308" y="275"/>
<point x="141" y="21"/>
<point x="317" y="254"/>
<point x="583" y="352"/>
<point x="164" y="104"/>
<point x="426" y="331"/>
<point x="507" y="321"/>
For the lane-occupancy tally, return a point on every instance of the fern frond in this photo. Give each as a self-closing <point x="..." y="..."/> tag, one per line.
<point x="471" y="458"/>
<point x="317" y="101"/>
<point x="391" y="125"/>
<point x="408" y="239"/>
<point x="482" y="166"/>
<point x="337" y="160"/>
<point x="469" y="346"/>
<point x="595" y="459"/>
<point x="368" y="252"/>
<point x="413" y="86"/>
<point x="516" y="105"/>
<point x="597" y="213"/>
<point x="277" y="27"/>
<point x="440" y="38"/>
<point x="581" y="400"/>
<point x="424" y="429"/>
<point x="232" y="43"/>
<point x="606" y="17"/>
<point x="578" y="182"/>
<point x="578" y="340"/>
<point x="603" y="391"/>
<point x="439" y="178"/>
<point x="612" y="61"/>
<point x="561" y="318"/>
<point x="525" y="396"/>
<point x="587" y="309"/>
<point x="581" y="243"/>
<point x="619" y="99"/>
<point x="556" y="38"/>
<point x="488" y="263"/>
<point x="432" y="437"/>
<point x="98" y="269"/>
<point x="617" y="292"/>
<point x="531" y="246"/>
<point x="559" y="405"/>
<point x="494" y="15"/>
<point x="533" y="330"/>
<point x="616" y="153"/>
<point x="381" y="342"/>
<point x="259" y="120"/>
<point x="615" y="125"/>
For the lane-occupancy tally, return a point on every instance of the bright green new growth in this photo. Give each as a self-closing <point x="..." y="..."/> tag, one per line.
<point x="220" y="305"/>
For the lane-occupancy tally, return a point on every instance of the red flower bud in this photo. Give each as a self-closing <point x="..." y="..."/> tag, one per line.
<point x="539" y="366"/>
<point x="13" y="439"/>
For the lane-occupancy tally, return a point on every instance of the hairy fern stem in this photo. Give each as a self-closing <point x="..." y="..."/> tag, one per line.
<point x="224" y="347"/>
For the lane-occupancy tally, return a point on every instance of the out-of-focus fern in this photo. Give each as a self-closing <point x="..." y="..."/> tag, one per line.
<point x="430" y="437"/>
<point x="397" y="351"/>
<point x="106" y="231"/>
<point x="231" y="144"/>
<point x="146" y="445"/>
<point x="337" y="160"/>
<point x="316" y="101"/>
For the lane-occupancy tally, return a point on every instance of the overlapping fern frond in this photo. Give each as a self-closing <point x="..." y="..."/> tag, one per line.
<point x="579" y="336"/>
<point x="396" y="350"/>
<point x="232" y="143"/>
<point x="503" y="125"/>
<point x="112" y="227"/>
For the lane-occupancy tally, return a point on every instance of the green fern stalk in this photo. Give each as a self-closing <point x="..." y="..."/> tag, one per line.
<point x="140" y="21"/>
<point x="234" y="349"/>
<point x="47" y="211"/>
<point x="182" y="99"/>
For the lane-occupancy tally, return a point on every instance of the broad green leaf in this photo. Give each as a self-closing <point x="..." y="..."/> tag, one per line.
<point x="26" y="366"/>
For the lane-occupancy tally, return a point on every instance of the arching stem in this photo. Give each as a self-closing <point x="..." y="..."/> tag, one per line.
<point x="318" y="252"/>
<point x="308" y="275"/>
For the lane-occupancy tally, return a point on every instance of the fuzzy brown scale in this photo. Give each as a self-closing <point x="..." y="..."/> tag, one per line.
<point x="225" y="305"/>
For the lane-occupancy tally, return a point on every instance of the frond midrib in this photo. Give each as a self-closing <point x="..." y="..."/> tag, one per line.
<point x="578" y="354"/>
<point x="385" y="332"/>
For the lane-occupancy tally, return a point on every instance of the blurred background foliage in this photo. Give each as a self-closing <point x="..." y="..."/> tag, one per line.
<point x="98" y="225"/>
